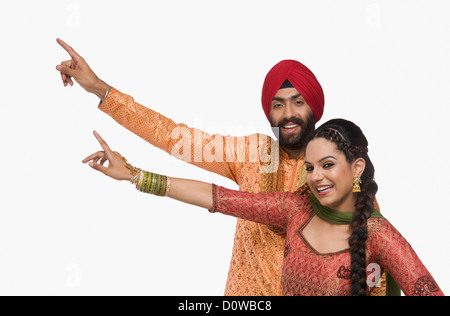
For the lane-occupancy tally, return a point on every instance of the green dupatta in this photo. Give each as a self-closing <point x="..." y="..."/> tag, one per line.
<point x="344" y="218"/>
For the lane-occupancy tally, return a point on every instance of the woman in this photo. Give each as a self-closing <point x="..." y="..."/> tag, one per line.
<point x="334" y="235"/>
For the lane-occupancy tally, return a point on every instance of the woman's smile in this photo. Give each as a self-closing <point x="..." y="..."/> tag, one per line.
<point x="324" y="189"/>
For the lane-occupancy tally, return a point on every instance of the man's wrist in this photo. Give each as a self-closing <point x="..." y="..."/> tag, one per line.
<point x="101" y="90"/>
<point x="106" y="94"/>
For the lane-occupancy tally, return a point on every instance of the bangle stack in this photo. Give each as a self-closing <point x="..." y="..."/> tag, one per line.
<point x="148" y="182"/>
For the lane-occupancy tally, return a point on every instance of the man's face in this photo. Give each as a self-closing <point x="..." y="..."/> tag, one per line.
<point x="294" y="118"/>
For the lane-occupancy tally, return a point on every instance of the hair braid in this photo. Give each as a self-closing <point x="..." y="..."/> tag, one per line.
<point x="354" y="146"/>
<point x="358" y="238"/>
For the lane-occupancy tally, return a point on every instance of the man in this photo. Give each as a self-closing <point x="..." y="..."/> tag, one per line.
<point x="293" y="101"/>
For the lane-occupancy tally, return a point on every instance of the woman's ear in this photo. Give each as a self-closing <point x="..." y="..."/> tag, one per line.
<point x="359" y="165"/>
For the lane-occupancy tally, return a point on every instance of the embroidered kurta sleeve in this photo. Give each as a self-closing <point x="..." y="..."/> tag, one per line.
<point x="220" y="154"/>
<point x="274" y="208"/>
<point x="392" y="252"/>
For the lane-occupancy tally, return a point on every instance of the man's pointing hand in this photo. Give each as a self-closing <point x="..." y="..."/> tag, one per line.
<point x="79" y="70"/>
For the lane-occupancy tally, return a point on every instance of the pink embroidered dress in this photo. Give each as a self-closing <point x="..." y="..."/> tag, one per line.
<point x="307" y="272"/>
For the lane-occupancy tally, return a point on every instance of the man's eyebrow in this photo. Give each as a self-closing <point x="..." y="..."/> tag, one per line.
<point x="298" y="95"/>
<point x="278" y="99"/>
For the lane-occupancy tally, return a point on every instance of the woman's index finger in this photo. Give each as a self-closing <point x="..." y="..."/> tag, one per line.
<point x="102" y="142"/>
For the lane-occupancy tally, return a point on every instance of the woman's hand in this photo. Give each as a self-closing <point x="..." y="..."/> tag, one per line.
<point x="188" y="191"/>
<point x="117" y="165"/>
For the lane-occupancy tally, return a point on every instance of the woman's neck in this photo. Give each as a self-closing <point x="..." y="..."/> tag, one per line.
<point x="345" y="205"/>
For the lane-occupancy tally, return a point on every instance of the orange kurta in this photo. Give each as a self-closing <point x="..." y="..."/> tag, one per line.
<point x="257" y="257"/>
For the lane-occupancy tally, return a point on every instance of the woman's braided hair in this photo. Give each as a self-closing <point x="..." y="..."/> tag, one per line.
<point x="351" y="141"/>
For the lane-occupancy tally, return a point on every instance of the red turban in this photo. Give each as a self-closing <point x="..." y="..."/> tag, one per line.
<point x="301" y="78"/>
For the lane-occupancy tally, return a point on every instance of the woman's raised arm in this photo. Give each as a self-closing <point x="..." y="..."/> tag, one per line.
<point x="270" y="209"/>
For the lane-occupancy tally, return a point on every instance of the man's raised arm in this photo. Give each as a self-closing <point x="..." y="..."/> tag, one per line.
<point x="223" y="155"/>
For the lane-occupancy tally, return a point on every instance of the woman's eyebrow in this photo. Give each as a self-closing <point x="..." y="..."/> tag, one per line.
<point x="327" y="157"/>
<point x="324" y="158"/>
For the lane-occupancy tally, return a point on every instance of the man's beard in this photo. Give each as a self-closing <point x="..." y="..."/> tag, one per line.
<point x="295" y="142"/>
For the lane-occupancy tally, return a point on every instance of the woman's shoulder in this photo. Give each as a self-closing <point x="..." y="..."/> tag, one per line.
<point x="376" y="225"/>
<point x="381" y="231"/>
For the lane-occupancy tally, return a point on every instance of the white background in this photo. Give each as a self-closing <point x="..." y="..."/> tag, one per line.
<point x="68" y="230"/>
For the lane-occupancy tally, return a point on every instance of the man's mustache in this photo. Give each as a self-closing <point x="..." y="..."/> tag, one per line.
<point x="295" y="120"/>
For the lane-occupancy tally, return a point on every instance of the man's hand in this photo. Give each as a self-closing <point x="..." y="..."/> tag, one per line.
<point x="78" y="69"/>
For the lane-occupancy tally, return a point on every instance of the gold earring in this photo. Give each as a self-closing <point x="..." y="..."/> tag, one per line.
<point x="356" y="182"/>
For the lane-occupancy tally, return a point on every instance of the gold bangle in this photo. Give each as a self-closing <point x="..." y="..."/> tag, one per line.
<point x="167" y="187"/>
<point x="148" y="182"/>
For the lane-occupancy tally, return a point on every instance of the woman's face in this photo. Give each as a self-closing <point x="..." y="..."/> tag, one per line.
<point x="330" y="176"/>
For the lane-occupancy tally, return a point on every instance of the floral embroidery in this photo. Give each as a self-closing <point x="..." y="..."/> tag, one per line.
<point x="424" y="286"/>
<point x="344" y="273"/>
